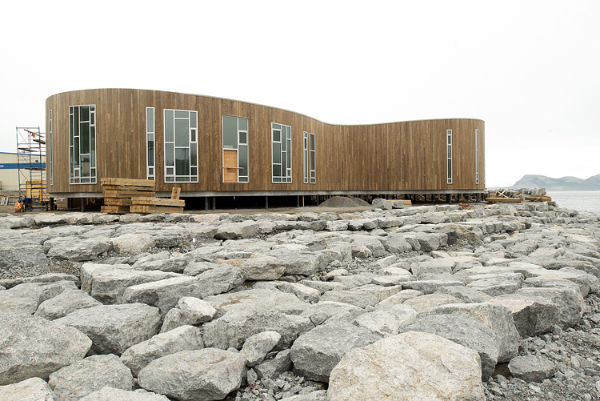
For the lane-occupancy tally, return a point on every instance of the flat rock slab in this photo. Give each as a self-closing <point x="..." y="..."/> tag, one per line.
<point x="409" y="366"/>
<point x="113" y="394"/>
<point x="207" y="374"/>
<point x="90" y="374"/>
<point x="33" y="389"/>
<point x="531" y="368"/>
<point x="34" y="347"/>
<point x="318" y="351"/>
<point x="114" y="328"/>
<point x="65" y="303"/>
<point x="180" y="339"/>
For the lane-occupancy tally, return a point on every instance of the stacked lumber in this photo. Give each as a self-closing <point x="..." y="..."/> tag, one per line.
<point x="141" y="204"/>
<point x="118" y="192"/>
<point x="538" y="198"/>
<point x="494" y="199"/>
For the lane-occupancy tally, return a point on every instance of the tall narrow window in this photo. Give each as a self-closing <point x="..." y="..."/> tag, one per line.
<point x="449" y="155"/>
<point x="281" y="148"/>
<point x="476" y="156"/>
<point x="181" y="146"/>
<point x="305" y="145"/>
<point x="49" y="155"/>
<point x="235" y="149"/>
<point x="150" y="143"/>
<point x="82" y="144"/>
<point x="313" y="160"/>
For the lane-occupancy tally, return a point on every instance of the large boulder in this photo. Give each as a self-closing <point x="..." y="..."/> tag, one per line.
<point x="464" y="331"/>
<point x="206" y="374"/>
<point x="65" y="303"/>
<point x="33" y="389"/>
<point x="245" y="229"/>
<point x="569" y="301"/>
<point x="387" y="320"/>
<point x="409" y="366"/>
<point x="80" y="250"/>
<point x="180" y="339"/>
<point x="257" y="347"/>
<point x="73" y="382"/>
<point x="23" y="256"/>
<point x="32" y="346"/>
<point x="395" y="243"/>
<point x="114" y="328"/>
<point x="132" y="243"/>
<point x="533" y="315"/>
<point x="221" y="278"/>
<point x="315" y="353"/>
<point x="259" y="267"/>
<point x="497" y="317"/>
<point x="189" y="311"/>
<point x="246" y="313"/>
<point x="531" y="368"/>
<point x="362" y="299"/>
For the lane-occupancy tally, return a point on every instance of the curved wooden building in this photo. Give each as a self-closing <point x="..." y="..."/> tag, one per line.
<point x="218" y="147"/>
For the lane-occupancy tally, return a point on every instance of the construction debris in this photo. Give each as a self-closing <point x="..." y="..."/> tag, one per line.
<point x="508" y="195"/>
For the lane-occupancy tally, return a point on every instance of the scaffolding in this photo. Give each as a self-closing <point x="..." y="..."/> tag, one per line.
<point x="31" y="151"/>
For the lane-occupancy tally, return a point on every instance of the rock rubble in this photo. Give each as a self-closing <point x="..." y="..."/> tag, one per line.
<point x="495" y="302"/>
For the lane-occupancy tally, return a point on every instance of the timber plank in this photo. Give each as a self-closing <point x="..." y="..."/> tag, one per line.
<point x="128" y="181"/>
<point x="117" y="202"/>
<point x="155" y="209"/>
<point x="157" y="202"/>
<point x="114" y="209"/>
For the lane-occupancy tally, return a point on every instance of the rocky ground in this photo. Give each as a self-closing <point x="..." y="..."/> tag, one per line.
<point x="428" y="302"/>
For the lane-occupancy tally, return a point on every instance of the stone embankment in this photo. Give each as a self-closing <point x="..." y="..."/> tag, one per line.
<point x="420" y="303"/>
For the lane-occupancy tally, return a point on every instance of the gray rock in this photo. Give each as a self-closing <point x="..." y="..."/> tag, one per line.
<point x="531" y="368"/>
<point x="32" y="346"/>
<point x="24" y="256"/>
<point x="464" y="331"/>
<point x="259" y="267"/>
<point x="388" y="320"/>
<point x="272" y="368"/>
<point x="78" y="250"/>
<point x="464" y="294"/>
<point x="296" y="263"/>
<point x="357" y="298"/>
<point x="34" y="389"/>
<point x="497" y="317"/>
<point x="114" y="328"/>
<point x="88" y="375"/>
<point x="164" y="294"/>
<point x="399" y="298"/>
<point x="315" y="353"/>
<point x="372" y="243"/>
<point x="532" y="315"/>
<point x="184" y="338"/>
<point x="257" y="347"/>
<point x="430" y="286"/>
<point x="132" y="243"/>
<point x="409" y="366"/>
<point x="245" y="229"/>
<point x="496" y="284"/>
<point x="189" y="311"/>
<point x="321" y="312"/>
<point x="243" y="314"/>
<point x="303" y="292"/>
<point x="380" y="203"/>
<point x="196" y="268"/>
<point x="207" y="374"/>
<point x="568" y="300"/>
<point x="113" y="394"/>
<point x="427" y="302"/>
<point x="65" y="303"/>
<point x="222" y="278"/>
<point x="435" y="266"/>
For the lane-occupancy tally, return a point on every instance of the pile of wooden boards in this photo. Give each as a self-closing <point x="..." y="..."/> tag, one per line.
<point x="125" y="195"/>
<point x="515" y="196"/>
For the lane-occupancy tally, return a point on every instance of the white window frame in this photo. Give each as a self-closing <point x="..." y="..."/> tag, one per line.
<point x="239" y="132"/>
<point x="151" y="137"/>
<point x="283" y="136"/>
<point x="193" y="133"/>
<point x="75" y="173"/>
<point x="313" y="158"/>
<point x="476" y="156"/>
<point x="449" y="166"/>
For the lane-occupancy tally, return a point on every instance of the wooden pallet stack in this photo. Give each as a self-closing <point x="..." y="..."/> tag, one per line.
<point x="158" y="205"/>
<point x="118" y="193"/>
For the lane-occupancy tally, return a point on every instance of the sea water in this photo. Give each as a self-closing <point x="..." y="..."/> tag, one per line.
<point x="583" y="201"/>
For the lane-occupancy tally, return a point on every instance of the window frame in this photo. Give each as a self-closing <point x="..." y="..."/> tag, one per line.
<point x="449" y="166"/>
<point x="246" y="144"/>
<point x="288" y="150"/>
<point x="151" y="169"/>
<point x="49" y="154"/>
<point x="192" y="178"/>
<point x="75" y="177"/>
<point x="476" y="156"/>
<point x="312" y="146"/>
<point x="305" y="152"/>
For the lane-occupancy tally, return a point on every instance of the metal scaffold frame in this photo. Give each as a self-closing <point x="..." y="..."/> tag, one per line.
<point x="31" y="151"/>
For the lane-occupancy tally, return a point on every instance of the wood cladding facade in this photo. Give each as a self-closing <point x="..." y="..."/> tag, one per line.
<point x="400" y="157"/>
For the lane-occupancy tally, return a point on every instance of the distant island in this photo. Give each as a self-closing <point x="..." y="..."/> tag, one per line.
<point x="559" y="184"/>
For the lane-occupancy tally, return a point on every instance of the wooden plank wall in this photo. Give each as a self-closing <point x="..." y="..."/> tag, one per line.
<point x="401" y="156"/>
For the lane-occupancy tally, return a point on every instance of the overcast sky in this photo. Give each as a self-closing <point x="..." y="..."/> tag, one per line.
<point x="529" y="69"/>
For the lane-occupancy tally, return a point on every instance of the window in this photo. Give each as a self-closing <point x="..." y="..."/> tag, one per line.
<point x="313" y="160"/>
<point x="281" y="148"/>
<point x="449" y="154"/>
<point x="49" y="149"/>
<point x="305" y="145"/>
<point x="181" y="146"/>
<point x="150" y="143"/>
<point x="82" y="144"/>
<point x="235" y="149"/>
<point x="476" y="156"/>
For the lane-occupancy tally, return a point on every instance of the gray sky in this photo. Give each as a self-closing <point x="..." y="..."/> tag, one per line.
<point x="529" y="69"/>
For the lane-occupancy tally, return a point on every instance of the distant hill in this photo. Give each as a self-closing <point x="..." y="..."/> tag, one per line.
<point x="559" y="184"/>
